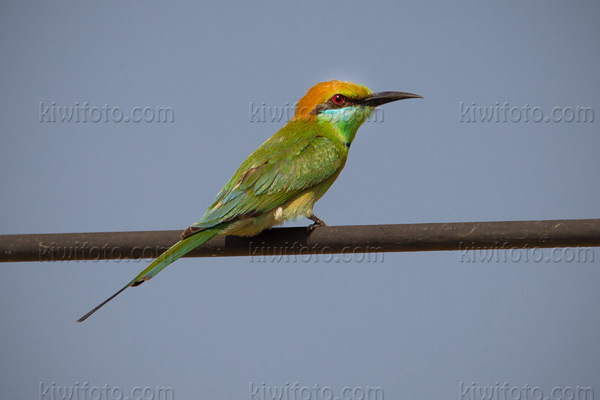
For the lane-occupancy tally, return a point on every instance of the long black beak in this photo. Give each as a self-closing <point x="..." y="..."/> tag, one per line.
<point x="377" y="99"/>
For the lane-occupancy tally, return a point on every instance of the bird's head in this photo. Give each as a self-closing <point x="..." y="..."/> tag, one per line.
<point x="344" y="105"/>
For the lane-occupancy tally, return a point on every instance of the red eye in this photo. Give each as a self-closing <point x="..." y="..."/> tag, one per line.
<point x="338" y="99"/>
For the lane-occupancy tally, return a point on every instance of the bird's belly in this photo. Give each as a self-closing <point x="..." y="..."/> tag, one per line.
<point x="297" y="207"/>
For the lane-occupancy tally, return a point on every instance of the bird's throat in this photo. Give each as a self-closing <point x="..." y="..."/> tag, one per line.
<point x="344" y="121"/>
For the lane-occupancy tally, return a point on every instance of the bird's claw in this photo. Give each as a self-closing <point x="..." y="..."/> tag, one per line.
<point x="318" y="222"/>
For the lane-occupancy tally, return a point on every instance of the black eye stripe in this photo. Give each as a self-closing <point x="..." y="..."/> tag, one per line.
<point x="330" y="104"/>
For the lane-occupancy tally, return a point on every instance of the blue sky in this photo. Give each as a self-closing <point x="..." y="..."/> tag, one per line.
<point x="415" y="325"/>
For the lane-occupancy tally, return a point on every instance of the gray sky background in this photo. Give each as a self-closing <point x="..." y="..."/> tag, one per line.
<point x="417" y="324"/>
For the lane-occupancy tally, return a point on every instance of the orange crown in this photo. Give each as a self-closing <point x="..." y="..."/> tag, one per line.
<point x="323" y="91"/>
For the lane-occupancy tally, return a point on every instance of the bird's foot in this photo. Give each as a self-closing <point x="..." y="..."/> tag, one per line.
<point x="318" y="222"/>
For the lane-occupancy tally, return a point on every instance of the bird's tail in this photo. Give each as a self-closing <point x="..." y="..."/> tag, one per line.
<point x="175" y="252"/>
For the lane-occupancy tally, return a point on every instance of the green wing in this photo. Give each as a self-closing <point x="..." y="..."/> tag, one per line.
<point x="294" y="159"/>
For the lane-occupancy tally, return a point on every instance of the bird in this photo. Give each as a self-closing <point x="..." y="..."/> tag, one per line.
<point x="284" y="177"/>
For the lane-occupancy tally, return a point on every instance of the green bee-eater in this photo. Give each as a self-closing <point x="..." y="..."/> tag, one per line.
<point x="286" y="175"/>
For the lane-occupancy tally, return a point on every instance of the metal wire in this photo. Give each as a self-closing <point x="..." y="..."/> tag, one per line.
<point x="323" y="240"/>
